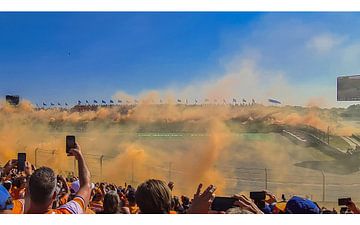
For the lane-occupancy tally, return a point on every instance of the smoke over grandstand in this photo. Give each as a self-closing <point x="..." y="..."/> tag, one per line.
<point x="115" y="130"/>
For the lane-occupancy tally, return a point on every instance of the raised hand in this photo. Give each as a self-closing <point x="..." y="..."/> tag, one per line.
<point x="353" y="208"/>
<point x="11" y="164"/>
<point x="202" y="201"/>
<point x="28" y="168"/>
<point x="272" y="197"/>
<point x="76" y="152"/>
<point x="247" y="204"/>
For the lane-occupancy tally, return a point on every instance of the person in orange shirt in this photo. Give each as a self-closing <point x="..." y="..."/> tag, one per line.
<point x="133" y="208"/>
<point x="97" y="204"/>
<point x="17" y="190"/>
<point x="18" y="206"/>
<point x="40" y="193"/>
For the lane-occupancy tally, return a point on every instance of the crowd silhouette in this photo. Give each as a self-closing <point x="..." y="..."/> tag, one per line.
<point x="31" y="190"/>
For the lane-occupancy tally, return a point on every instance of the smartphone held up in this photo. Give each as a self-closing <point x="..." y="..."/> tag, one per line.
<point x="21" y="161"/>
<point x="70" y="143"/>
<point x="223" y="203"/>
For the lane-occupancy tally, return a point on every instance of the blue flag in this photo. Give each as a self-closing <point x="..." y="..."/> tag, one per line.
<point x="59" y="104"/>
<point x="66" y="104"/>
<point x="52" y="104"/>
<point x="44" y="104"/>
<point x="79" y="102"/>
<point x="95" y="101"/>
<point x="102" y="101"/>
<point x="274" y="101"/>
<point x="87" y="102"/>
<point x="111" y="101"/>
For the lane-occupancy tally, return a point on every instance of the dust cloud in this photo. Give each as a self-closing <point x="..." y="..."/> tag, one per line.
<point x="114" y="132"/>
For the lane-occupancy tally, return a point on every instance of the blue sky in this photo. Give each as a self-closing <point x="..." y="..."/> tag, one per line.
<point x="294" y="57"/>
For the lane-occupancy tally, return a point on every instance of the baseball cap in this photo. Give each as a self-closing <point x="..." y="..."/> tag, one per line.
<point x="298" y="205"/>
<point x="5" y="199"/>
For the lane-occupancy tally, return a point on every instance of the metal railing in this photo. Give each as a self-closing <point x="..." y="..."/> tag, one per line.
<point x="314" y="184"/>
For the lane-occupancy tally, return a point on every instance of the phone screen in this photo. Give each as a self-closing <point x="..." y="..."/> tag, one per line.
<point x="21" y="161"/>
<point x="343" y="201"/>
<point x="257" y="195"/>
<point x="70" y="143"/>
<point x="222" y="203"/>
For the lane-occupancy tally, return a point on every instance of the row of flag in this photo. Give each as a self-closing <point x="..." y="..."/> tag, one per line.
<point x="79" y="103"/>
<point x="235" y="101"/>
<point x="136" y="101"/>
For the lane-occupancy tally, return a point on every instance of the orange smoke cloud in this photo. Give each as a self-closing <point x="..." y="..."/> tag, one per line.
<point x="113" y="131"/>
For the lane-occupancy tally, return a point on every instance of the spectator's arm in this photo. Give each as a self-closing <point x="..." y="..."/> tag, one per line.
<point x="84" y="175"/>
<point x="353" y="208"/>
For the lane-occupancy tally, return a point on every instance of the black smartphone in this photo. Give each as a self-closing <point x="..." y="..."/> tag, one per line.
<point x="70" y="143"/>
<point x="222" y="203"/>
<point x="21" y="161"/>
<point x="257" y="195"/>
<point x="343" y="201"/>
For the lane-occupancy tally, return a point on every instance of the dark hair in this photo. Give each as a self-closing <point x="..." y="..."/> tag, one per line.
<point x="42" y="185"/>
<point x="111" y="203"/>
<point x="16" y="182"/>
<point x="7" y="185"/>
<point x="97" y="197"/>
<point x="185" y="200"/>
<point x="153" y="196"/>
<point x="131" y="196"/>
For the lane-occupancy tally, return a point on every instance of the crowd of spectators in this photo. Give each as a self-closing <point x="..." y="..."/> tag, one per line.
<point x="41" y="191"/>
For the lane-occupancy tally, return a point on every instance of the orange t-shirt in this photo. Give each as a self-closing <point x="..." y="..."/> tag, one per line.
<point x="18" y="206"/>
<point x="134" y="209"/>
<point x="89" y="211"/>
<point x="75" y="206"/>
<point x="96" y="206"/>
